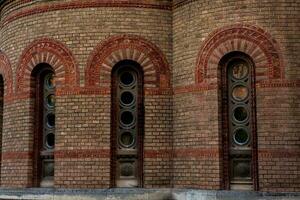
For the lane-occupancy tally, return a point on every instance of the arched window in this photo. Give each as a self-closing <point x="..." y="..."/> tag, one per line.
<point x="239" y="124"/>
<point x="1" y="118"/>
<point x="127" y="125"/>
<point x="43" y="87"/>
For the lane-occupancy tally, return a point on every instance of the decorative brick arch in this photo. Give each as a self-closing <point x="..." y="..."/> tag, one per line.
<point x="53" y="53"/>
<point x="249" y="39"/>
<point x="6" y="72"/>
<point x="126" y="47"/>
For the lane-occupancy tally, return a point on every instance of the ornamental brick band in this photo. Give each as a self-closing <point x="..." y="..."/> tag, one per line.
<point x="249" y="39"/>
<point x="183" y="125"/>
<point x="55" y="54"/>
<point x="79" y="4"/>
<point x="127" y="47"/>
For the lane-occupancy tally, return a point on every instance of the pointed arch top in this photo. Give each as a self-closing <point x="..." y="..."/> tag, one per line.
<point x="6" y="72"/>
<point x="249" y="39"/>
<point x="127" y="47"/>
<point x="52" y="52"/>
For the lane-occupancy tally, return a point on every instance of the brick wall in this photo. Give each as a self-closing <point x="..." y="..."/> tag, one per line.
<point x="179" y="46"/>
<point x="210" y="31"/>
<point x="196" y="140"/>
<point x="16" y="168"/>
<point x="65" y="36"/>
<point x="82" y="141"/>
<point x="278" y="138"/>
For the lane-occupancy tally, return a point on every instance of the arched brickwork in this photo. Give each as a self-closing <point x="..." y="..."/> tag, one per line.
<point x="249" y="39"/>
<point x="53" y="53"/>
<point x="125" y="47"/>
<point x="6" y="72"/>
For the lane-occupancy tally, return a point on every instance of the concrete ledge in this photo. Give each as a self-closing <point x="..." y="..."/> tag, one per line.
<point x="186" y="194"/>
<point x="139" y="194"/>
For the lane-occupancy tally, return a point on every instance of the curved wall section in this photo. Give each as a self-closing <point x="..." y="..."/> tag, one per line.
<point x="179" y="46"/>
<point x="210" y="31"/>
<point x="82" y="142"/>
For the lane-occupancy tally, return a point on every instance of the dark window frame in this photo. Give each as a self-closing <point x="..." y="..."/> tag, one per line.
<point x="140" y="120"/>
<point x="223" y="99"/>
<point x="1" y="119"/>
<point x="37" y="98"/>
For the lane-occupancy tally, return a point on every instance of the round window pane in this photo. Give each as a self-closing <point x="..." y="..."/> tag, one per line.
<point x="50" y="138"/>
<point x="242" y="169"/>
<point x="50" y="81"/>
<point x="127" y="118"/>
<point x="50" y="100"/>
<point x="127" y="78"/>
<point x="241" y="136"/>
<point x="240" y="92"/>
<point x="126" y="139"/>
<point x="127" y="98"/>
<point x="127" y="169"/>
<point x="50" y="120"/>
<point x="240" y="114"/>
<point x="240" y="70"/>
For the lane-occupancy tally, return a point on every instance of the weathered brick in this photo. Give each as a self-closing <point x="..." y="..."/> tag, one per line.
<point x="179" y="45"/>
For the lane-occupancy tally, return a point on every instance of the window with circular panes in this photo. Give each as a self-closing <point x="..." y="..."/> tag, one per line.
<point x="48" y="126"/>
<point x="127" y="101"/>
<point x="49" y="114"/>
<point x="43" y="89"/>
<point x="239" y="81"/>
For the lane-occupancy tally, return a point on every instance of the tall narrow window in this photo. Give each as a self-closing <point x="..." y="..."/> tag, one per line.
<point x="240" y="96"/>
<point x="1" y="118"/>
<point x="45" y="126"/>
<point x="127" y="125"/>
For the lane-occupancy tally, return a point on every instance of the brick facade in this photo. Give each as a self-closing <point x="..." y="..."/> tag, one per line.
<point x="179" y="45"/>
<point x="211" y="31"/>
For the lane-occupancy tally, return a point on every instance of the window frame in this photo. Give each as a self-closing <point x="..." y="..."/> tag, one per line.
<point x="225" y="132"/>
<point x="37" y="96"/>
<point x="114" y="120"/>
<point x="2" y="90"/>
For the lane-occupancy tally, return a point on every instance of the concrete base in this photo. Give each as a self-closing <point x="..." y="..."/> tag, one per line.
<point x="139" y="194"/>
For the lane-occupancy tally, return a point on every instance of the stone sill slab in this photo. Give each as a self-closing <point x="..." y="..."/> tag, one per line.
<point x="139" y="194"/>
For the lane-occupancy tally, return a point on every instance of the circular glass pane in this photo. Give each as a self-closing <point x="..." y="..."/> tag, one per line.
<point x="127" y="118"/>
<point x="50" y="140"/>
<point x="127" y="169"/>
<point x="50" y="100"/>
<point x="240" y="114"/>
<point x="127" y="98"/>
<point x="127" y="78"/>
<point x="126" y="139"/>
<point x="241" y="136"/>
<point x="240" y="92"/>
<point x="242" y="169"/>
<point x="50" y="80"/>
<point x="51" y="120"/>
<point x="239" y="70"/>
